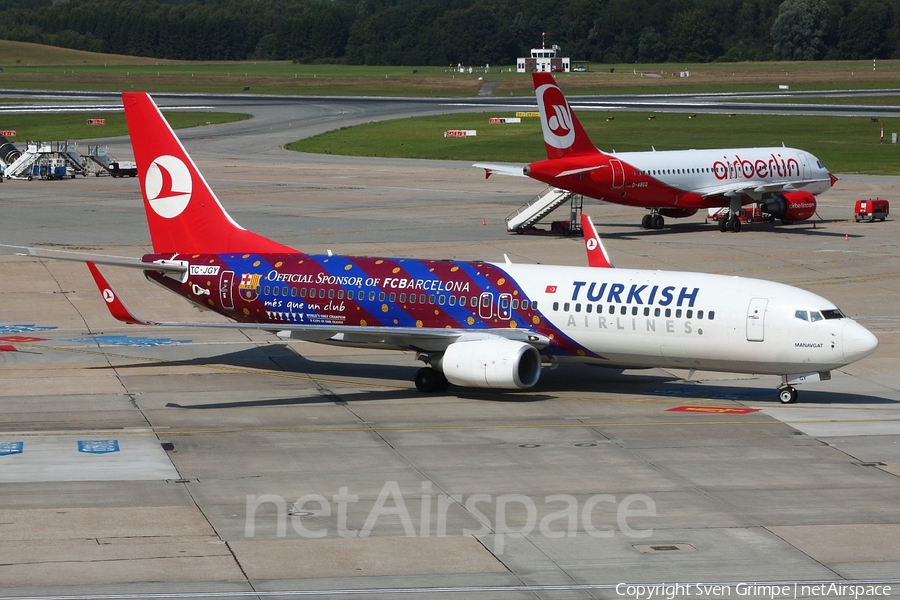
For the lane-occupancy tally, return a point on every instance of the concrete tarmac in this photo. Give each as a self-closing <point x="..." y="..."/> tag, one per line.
<point x="184" y="463"/>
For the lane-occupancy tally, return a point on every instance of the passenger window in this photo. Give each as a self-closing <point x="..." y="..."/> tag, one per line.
<point x="711" y="315"/>
<point x="515" y="303"/>
<point x="566" y="307"/>
<point x="588" y="307"/>
<point x="801" y="314"/>
<point x="276" y="291"/>
<point x="524" y="304"/>
<point x="431" y="299"/>
<point x="699" y="314"/>
<point x="623" y="310"/>
<point x="393" y="297"/>
<point x="690" y="314"/>
<point x="381" y="296"/>
<point x="350" y="295"/>
<point x="656" y="312"/>
<point x="678" y="313"/>
<point x="634" y="310"/>
<point x="266" y="290"/>
<point x="668" y="312"/>
<point x="371" y="296"/>
<point x="441" y="300"/>
<point x="322" y="293"/>
<point x="578" y="307"/>
<point x="403" y="297"/>
<point x="452" y="300"/>
<point x="330" y="294"/>
<point x="422" y="299"/>
<point x="534" y="305"/>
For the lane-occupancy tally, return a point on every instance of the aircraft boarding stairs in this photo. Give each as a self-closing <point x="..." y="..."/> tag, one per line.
<point x="541" y="206"/>
<point x="100" y="156"/>
<point x="68" y="150"/>
<point x="21" y="167"/>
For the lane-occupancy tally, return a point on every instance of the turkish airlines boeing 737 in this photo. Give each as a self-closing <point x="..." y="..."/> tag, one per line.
<point x="474" y="324"/>
<point x="671" y="183"/>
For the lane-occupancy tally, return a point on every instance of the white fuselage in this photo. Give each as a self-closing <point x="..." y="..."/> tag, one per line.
<point x="702" y="171"/>
<point x="639" y="318"/>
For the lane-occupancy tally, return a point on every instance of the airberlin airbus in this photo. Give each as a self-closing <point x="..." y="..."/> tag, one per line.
<point x="671" y="183"/>
<point x="474" y="324"/>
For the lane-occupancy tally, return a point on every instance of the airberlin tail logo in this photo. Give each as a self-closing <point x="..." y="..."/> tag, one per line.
<point x="556" y="117"/>
<point x="168" y="186"/>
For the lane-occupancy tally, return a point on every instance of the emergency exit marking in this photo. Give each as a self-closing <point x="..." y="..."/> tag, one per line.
<point x="98" y="446"/>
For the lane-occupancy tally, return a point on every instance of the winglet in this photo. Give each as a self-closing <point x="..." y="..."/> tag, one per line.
<point x="596" y="252"/>
<point x="116" y="307"/>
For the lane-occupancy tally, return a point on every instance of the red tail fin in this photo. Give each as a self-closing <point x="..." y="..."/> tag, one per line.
<point x="563" y="134"/>
<point x="183" y="213"/>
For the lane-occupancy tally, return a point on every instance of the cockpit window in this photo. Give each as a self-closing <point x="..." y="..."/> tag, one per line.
<point x="815" y="315"/>
<point x="802" y="315"/>
<point x="833" y="313"/>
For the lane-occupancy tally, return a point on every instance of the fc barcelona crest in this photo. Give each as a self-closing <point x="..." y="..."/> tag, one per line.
<point x="249" y="286"/>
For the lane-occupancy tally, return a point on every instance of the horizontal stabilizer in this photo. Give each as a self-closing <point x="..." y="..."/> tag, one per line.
<point x="490" y="169"/>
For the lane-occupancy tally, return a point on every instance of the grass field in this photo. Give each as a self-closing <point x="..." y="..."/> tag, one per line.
<point x="843" y="144"/>
<point x="73" y="126"/>
<point x="32" y="66"/>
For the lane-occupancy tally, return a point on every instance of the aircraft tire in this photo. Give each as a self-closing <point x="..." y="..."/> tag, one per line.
<point x="723" y="225"/>
<point x="429" y="380"/>
<point x="736" y="225"/>
<point x="645" y="222"/>
<point x="788" y="395"/>
<point x="658" y="222"/>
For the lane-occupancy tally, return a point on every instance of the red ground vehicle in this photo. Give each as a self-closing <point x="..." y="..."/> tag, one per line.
<point x="748" y="214"/>
<point x="869" y="210"/>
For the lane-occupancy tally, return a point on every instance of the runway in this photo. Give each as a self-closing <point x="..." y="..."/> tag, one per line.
<point x="181" y="463"/>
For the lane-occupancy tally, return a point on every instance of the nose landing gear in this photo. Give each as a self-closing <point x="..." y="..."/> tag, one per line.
<point x="788" y="394"/>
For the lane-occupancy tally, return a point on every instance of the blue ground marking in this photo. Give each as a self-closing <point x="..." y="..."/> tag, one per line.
<point x="7" y="448"/>
<point x="127" y="340"/>
<point x="12" y="328"/>
<point x="712" y="393"/>
<point x="98" y="446"/>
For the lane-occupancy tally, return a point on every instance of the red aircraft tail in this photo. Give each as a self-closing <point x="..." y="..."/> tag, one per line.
<point x="183" y="213"/>
<point x="563" y="134"/>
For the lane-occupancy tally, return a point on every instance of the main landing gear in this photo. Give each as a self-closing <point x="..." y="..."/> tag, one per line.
<point x="431" y="380"/>
<point x="732" y="223"/>
<point x="653" y="221"/>
<point x="788" y="394"/>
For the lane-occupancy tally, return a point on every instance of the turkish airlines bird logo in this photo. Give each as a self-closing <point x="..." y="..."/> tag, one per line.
<point x="168" y="186"/>
<point x="556" y="117"/>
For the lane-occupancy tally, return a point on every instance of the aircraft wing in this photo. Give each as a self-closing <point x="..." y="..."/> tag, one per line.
<point x="757" y="188"/>
<point x="418" y="338"/>
<point x="163" y="266"/>
<point x="490" y="169"/>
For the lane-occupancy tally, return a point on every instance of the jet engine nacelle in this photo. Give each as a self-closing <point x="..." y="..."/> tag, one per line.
<point x="491" y="363"/>
<point x="791" y="206"/>
<point x="677" y="213"/>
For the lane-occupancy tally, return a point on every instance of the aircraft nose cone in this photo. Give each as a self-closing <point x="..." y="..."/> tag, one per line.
<point x="857" y="341"/>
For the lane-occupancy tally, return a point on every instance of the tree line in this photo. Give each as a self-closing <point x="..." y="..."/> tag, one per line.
<point x="471" y="32"/>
